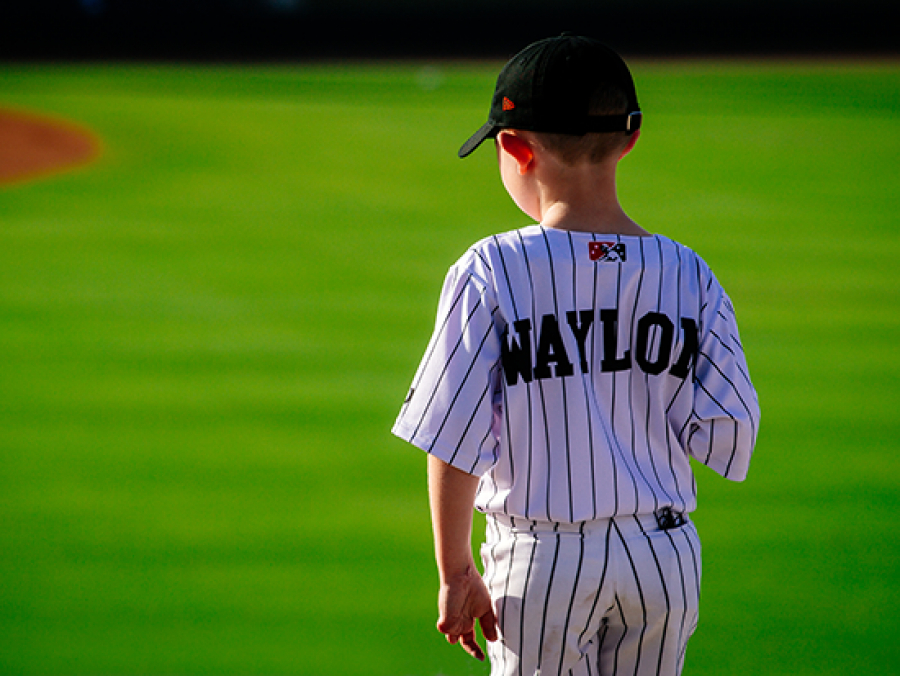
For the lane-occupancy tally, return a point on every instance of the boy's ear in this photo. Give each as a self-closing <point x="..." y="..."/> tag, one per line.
<point x="518" y="148"/>
<point x="631" y="142"/>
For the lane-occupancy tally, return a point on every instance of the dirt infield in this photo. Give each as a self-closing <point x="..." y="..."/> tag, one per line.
<point x="34" y="146"/>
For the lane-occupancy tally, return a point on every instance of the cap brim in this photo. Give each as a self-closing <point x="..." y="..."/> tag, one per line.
<point x="487" y="130"/>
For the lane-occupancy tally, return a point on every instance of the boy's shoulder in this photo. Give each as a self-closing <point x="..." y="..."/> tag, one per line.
<point x="498" y="249"/>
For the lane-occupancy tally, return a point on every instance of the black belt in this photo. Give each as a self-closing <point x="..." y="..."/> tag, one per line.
<point x="667" y="519"/>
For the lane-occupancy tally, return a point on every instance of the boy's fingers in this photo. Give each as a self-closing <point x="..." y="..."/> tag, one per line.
<point x="488" y="623"/>
<point x="466" y="640"/>
<point x="451" y="638"/>
<point x="470" y="645"/>
<point x="449" y="629"/>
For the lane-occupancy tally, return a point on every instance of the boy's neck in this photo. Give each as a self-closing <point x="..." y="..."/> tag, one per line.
<point x="604" y="221"/>
<point x="585" y="201"/>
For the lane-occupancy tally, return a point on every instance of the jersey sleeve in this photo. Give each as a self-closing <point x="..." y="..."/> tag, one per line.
<point x="726" y="408"/>
<point x="449" y="411"/>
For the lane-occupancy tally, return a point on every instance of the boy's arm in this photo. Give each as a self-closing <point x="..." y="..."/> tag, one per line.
<point x="463" y="596"/>
<point x="725" y="422"/>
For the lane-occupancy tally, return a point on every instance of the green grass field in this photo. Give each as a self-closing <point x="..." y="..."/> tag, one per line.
<point x="207" y="334"/>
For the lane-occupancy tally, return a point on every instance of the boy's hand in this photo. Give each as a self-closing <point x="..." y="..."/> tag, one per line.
<point x="460" y="603"/>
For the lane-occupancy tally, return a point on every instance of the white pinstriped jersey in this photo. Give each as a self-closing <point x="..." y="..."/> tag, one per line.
<point x="576" y="373"/>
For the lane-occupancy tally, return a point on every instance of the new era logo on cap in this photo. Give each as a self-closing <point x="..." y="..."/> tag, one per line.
<point x="507" y="104"/>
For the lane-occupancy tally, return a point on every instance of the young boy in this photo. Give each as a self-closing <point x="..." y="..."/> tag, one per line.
<point x="574" y="368"/>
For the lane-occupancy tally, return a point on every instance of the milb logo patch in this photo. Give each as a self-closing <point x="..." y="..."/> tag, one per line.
<point x="607" y="252"/>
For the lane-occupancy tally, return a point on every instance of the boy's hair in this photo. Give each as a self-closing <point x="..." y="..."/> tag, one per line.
<point x="595" y="147"/>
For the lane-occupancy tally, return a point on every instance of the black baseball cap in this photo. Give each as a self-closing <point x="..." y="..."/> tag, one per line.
<point x="548" y="87"/>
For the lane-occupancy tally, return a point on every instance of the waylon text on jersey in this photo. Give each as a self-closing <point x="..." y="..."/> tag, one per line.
<point x="652" y="352"/>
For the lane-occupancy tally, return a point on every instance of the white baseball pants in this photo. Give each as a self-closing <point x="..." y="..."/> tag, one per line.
<point x="612" y="597"/>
